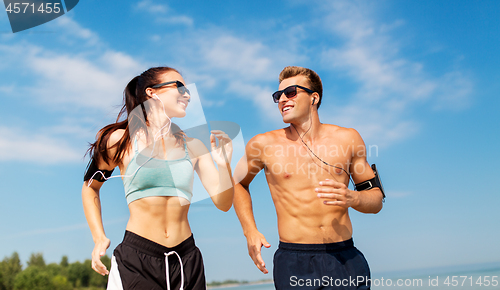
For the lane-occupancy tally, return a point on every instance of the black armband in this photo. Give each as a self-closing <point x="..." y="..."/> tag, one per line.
<point x="371" y="183"/>
<point x="93" y="172"/>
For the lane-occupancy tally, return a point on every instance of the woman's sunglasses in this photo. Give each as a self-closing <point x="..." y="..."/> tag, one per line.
<point x="289" y="92"/>
<point x="180" y="87"/>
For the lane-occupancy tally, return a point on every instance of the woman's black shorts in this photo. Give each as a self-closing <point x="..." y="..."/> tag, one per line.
<point x="139" y="263"/>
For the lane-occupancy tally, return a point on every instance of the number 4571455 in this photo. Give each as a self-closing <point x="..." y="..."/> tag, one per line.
<point x="30" y="8"/>
<point x="469" y="280"/>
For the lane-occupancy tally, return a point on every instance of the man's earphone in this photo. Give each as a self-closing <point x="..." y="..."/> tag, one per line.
<point x="314" y="101"/>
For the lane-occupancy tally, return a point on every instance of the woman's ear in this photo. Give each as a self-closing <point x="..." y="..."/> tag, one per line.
<point x="149" y="92"/>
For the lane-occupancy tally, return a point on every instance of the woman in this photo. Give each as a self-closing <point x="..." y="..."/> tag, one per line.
<point x="156" y="165"/>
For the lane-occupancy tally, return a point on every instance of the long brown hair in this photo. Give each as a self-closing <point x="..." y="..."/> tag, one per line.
<point x="134" y="95"/>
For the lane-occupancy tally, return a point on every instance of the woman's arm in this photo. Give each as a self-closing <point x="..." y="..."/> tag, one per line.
<point x="92" y="208"/>
<point x="218" y="183"/>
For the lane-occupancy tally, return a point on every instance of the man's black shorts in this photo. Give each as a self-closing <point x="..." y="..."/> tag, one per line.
<point x="139" y="263"/>
<point x="320" y="266"/>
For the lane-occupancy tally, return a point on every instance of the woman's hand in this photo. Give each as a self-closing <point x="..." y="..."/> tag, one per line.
<point x="99" y="251"/>
<point x="223" y="152"/>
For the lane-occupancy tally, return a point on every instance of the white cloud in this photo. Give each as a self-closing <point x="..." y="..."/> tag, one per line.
<point x="151" y="7"/>
<point x="204" y="80"/>
<point x="398" y="194"/>
<point x="20" y="145"/>
<point x="95" y="79"/>
<point x="389" y="83"/>
<point x="6" y="36"/>
<point x="381" y="76"/>
<point x="7" y="89"/>
<point x="81" y="88"/>
<point x="391" y="26"/>
<point x="73" y="32"/>
<point x="454" y="92"/>
<point x="221" y="62"/>
<point x="235" y="55"/>
<point x="206" y="53"/>
<point x="164" y="14"/>
<point x="75" y="80"/>
<point x="180" y="19"/>
<point x="11" y="56"/>
<point x="76" y="128"/>
<point x="260" y="96"/>
<point x="155" y="38"/>
<point x="377" y="126"/>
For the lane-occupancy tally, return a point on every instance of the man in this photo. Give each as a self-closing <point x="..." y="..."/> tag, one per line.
<point x="308" y="167"/>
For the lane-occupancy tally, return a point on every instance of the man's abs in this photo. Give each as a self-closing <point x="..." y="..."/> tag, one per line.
<point x="304" y="219"/>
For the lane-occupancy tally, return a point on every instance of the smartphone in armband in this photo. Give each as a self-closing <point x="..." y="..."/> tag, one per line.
<point x="371" y="183"/>
<point x="378" y="180"/>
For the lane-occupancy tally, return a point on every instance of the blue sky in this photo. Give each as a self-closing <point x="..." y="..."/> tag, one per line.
<point x="418" y="79"/>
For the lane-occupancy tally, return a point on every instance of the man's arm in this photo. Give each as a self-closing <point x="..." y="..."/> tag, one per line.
<point x="337" y="193"/>
<point x="248" y="167"/>
<point x="368" y="201"/>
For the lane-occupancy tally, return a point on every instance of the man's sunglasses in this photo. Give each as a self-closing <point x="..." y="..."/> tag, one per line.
<point x="180" y="87"/>
<point x="289" y="92"/>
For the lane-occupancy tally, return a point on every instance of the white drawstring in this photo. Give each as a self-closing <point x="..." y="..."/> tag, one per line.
<point x="167" y="272"/>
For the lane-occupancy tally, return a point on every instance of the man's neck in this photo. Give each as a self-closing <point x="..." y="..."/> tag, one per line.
<point x="307" y="129"/>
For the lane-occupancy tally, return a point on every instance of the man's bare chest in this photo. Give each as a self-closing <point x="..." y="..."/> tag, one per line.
<point x="292" y="159"/>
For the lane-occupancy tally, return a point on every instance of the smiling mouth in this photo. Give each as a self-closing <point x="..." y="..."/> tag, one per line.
<point x="286" y="108"/>
<point x="182" y="103"/>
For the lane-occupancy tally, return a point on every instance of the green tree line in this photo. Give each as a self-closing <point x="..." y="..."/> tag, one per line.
<point x="41" y="276"/>
<point x="226" y="282"/>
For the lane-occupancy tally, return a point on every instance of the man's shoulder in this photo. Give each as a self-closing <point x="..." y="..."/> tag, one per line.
<point x="267" y="137"/>
<point x="330" y="128"/>
<point x="340" y="132"/>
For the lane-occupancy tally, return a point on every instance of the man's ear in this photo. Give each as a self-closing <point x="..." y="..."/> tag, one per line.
<point x="315" y="98"/>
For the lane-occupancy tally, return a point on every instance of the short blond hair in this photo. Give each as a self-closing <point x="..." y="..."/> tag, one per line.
<point x="311" y="76"/>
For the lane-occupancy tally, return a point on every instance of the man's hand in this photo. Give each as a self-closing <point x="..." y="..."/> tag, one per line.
<point x="255" y="242"/>
<point x="99" y="251"/>
<point x="337" y="193"/>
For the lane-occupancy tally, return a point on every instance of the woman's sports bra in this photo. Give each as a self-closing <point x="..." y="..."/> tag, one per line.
<point x="146" y="176"/>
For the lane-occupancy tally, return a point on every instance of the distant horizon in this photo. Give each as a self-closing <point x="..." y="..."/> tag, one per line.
<point x="476" y="267"/>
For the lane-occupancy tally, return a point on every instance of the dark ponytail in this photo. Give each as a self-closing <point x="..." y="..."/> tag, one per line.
<point x="134" y="95"/>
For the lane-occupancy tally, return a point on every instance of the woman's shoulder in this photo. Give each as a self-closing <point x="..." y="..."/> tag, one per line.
<point x="194" y="142"/>
<point x="115" y="137"/>
<point x="196" y="145"/>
